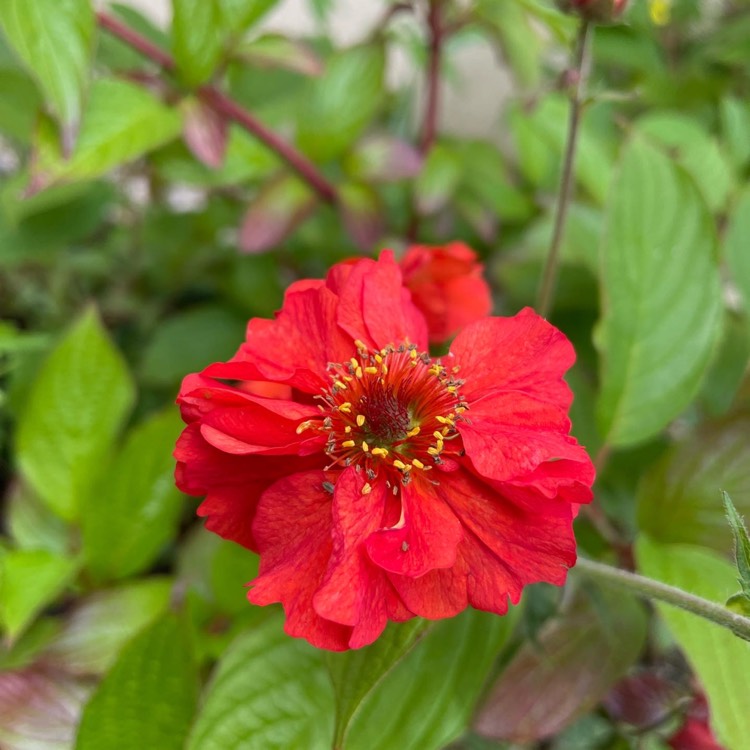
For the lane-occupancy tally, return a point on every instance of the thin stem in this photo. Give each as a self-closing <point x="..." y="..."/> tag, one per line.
<point x="227" y="108"/>
<point x="579" y="74"/>
<point x="663" y="592"/>
<point x="429" y="123"/>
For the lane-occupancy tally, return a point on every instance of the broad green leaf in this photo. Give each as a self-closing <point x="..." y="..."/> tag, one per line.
<point x="135" y="507"/>
<point x="438" y="180"/>
<point x="231" y="568"/>
<point x="355" y="674"/>
<point x="148" y="698"/>
<point x="576" y="658"/>
<point x="121" y="122"/>
<point x="735" y="123"/>
<point x="197" y="38"/>
<point x="74" y="410"/>
<point x="741" y="544"/>
<point x="18" y="104"/>
<point x="341" y="102"/>
<point x="426" y="701"/>
<point x="269" y="692"/>
<point x="720" y="659"/>
<point x="661" y="297"/>
<point x="96" y="629"/>
<point x="737" y="245"/>
<point x="239" y="15"/>
<point x="188" y="342"/>
<point x="695" y="150"/>
<point x="54" y="38"/>
<point x="30" y="580"/>
<point x="679" y="499"/>
<point x="32" y="525"/>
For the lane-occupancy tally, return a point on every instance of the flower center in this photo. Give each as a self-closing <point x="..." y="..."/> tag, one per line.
<point x="393" y="411"/>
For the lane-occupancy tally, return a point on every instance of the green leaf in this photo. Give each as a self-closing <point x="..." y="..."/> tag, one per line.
<point x="269" y="692"/>
<point x="232" y="567"/>
<point x="32" y="525"/>
<point x="197" y="38"/>
<point x="355" y="674"/>
<point x="735" y="122"/>
<point x="18" y="104"/>
<point x="341" y="102"/>
<point x="720" y="659"/>
<point x="661" y="297"/>
<point x="75" y="408"/>
<point x="574" y="661"/>
<point x="135" y="508"/>
<point x="239" y="15"/>
<point x="416" y="706"/>
<point x="679" y="498"/>
<point x="121" y="122"/>
<point x="736" y="245"/>
<point x="29" y="581"/>
<point x="438" y="180"/>
<point x="97" y="628"/>
<point x="741" y="544"/>
<point x="54" y="38"/>
<point x="695" y="150"/>
<point x="148" y="698"/>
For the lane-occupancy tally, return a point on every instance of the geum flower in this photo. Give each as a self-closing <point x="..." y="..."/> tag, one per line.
<point x="379" y="483"/>
<point x="447" y="286"/>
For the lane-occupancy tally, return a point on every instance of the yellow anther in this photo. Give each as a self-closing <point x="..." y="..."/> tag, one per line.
<point x="416" y="462"/>
<point x="359" y="344"/>
<point x="346" y="407"/>
<point x="358" y="372"/>
<point x="413" y="353"/>
<point x="340" y="384"/>
<point x="347" y="429"/>
<point x="355" y="363"/>
<point x="378" y="358"/>
<point x="384" y="352"/>
<point x="384" y="369"/>
<point x="371" y="370"/>
<point x="460" y="409"/>
<point x="399" y="465"/>
<point x="413" y="431"/>
<point x="438" y="435"/>
<point x="365" y="447"/>
<point x="433" y="451"/>
<point x="445" y="430"/>
<point x="379" y="452"/>
<point x="455" y="369"/>
<point x="302" y="426"/>
<point x="360" y="420"/>
<point x="366" y="489"/>
<point x="439" y="445"/>
<point x="348" y="444"/>
<point x="444" y="420"/>
<point x="348" y="378"/>
<point x="452" y="388"/>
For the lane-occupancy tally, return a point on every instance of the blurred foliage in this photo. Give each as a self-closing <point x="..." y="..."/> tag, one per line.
<point x="140" y="229"/>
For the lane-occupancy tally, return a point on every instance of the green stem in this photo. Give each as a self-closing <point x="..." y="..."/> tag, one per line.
<point x="663" y="592"/>
<point x="580" y="72"/>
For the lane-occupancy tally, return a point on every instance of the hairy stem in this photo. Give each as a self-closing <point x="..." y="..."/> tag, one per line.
<point x="663" y="592"/>
<point x="579" y="74"/>
<point x="227" y="108"/>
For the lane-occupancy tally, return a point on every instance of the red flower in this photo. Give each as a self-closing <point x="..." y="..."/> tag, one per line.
<point x="446" y="285"/>
<point x="695" y="733"/>
<point x="389" y="484"/>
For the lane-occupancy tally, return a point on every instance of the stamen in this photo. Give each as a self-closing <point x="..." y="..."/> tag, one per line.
<point x="365" y="447"/>
<point x="348" y="444"/>
<point x="346" y="407"/>
<point x="360" y="420"/>
<point x="367" y="488"/>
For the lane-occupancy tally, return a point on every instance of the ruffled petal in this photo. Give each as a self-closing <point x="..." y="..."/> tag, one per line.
<point x="436" y="594"/>
<point x="293" y="532"/>
<point x="425" y="538"/>
<point x="523" y="353"/>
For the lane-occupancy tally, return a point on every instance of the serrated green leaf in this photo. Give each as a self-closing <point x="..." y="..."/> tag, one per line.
<point x="720" y="659"/>
<point x="148" y="698"/>
<point x="35" y="30"/>
<point x="741" y="543"/>
<point x="341" y="102"/>
<point x="96" y="629"/>
<point x="679" y="497"/>
<point x="197" y="38"/>
<point x="737" y="245"/>
<point x="75" y="408"/>
<point x="416" y="707"/>
<point x="661" y="297"/>
<point x="355" y="674"/>
<point x="135" y="507"/>
<point x="121" y="122"/>
<point x="29" y="580"/>
<point x="270" y="692"/>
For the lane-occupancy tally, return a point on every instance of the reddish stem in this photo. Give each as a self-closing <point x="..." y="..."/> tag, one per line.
<point x="227" y="108"/>
<point x="429" y="126"/>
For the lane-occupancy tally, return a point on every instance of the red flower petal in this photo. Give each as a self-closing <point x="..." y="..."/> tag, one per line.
<point x="294" y="556"/>
<point x="425" y="538"/>
<point x="436" y="594"/>
<point x="523" y="353"/>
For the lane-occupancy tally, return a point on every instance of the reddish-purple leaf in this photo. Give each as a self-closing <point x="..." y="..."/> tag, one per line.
<point x="205" y="133"/>
<point x="642" y="700"/>
<point x="578" y="657"/>
<point x="278" y="209"/>
<point x="383" y="158"/>
<point x="276" y="51"/>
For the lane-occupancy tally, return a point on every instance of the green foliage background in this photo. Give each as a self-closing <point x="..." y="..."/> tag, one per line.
<point x="139" y="232"/>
